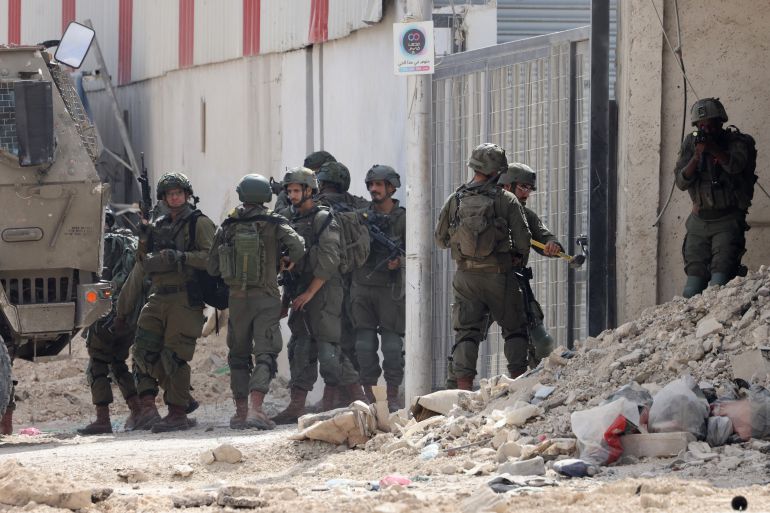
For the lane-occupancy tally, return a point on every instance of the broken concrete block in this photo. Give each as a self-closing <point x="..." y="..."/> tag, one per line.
<point x="750" y="365"/>
<point x="192" y="499"/>
<point x="240" y="497"/>
<point x="707" y="326"/>
<point x="533" y="467"/>
<point x="207" y="458"/>
<point x="484" y="500"/>
<point x="20" y="486"/>
<point x="508" y="450"/>
<point x="132" y="475"/>
<point x="652" y="445"/>
<point x="227" y="454"/>
<point x="500" y="438"/>
<point x="182" y="471"/>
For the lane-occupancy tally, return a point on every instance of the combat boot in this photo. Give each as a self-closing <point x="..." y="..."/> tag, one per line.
<point x="295" y="409"/>
<point x="148" y="415"/>
<point x="329" y="399"/>
<point x="102" y="423"/>
<point x="356" y="393"/>
<point x="465" y="383"/>
<point x="6" y="423"/>
<point x="176" y="420"/>
<point x="135" y="407"/>
<point x="393" y="402"/>
<point x="343" y="398"/>
<point x="238" y="421"/>
<point x="256" y="417"/>
<point x="369" y="393"/>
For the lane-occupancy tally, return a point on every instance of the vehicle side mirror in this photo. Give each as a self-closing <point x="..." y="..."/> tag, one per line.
<point x="74" y="45"/>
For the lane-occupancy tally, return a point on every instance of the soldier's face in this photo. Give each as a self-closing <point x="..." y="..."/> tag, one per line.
<point x="380" y="190"/>
<point x="175" y="198"/>
<point x="710" y="125"/>
<point x="522" y="191"/>
<point x="297" y="193"/>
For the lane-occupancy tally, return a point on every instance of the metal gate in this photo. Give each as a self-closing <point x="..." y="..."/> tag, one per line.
<point x="532" y="98"/>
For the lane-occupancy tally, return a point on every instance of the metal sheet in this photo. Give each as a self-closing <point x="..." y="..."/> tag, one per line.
<point x="218" y="30"/>
<point x="155" y="38"/>
<point x="346" y="16"/>
<point x="284" y="25"/>
<point x="40" y="21"/>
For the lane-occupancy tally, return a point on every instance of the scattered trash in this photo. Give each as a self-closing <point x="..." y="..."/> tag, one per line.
<point x="505" y="483"/>
<point x="30" y="431"/>
<point x="598" y="430"/>
<point x="337" y="483"/>
<point x="575" y="468"/>
<point x="394" y="479"/>
<point x="680" y="406"/>
<point x="429" y="452"/>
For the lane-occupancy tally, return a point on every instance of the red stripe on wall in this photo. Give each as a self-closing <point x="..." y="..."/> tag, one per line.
<point x="125" y="40"/>
<point x="251" y="26"/>
<point x="319" y="21"/>
<point x="186" y="32"/>
<point x="14" y="22"/>
<point x="67" y="13"/>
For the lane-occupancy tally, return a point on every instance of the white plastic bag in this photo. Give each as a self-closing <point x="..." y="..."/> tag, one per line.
<point x="679" y="406"/>
<point x="590" y="426"/>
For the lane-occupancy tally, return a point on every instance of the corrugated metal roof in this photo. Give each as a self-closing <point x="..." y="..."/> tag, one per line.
<point x="155" y="38"/>
<point x="218" y="30"/>
<point x="40" y="21"/>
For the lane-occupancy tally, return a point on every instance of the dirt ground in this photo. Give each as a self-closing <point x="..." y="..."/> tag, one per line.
<point x="143" y="469"/>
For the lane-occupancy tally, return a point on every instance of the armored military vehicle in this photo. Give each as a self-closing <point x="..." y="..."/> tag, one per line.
<point x="52" y="202"/>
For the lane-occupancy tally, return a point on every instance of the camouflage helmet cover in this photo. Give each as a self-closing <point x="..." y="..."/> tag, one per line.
<point x="336" y="173"/>
<point x="318" y="158"/>
<point x="173" y="181"/>
<point x="707" y="108"/>
<point x="488" y="159"/>
<point x="254" y="188"/>
<point x="384" y="173"/>
<point x="302" y="176"/>
<point x="518" y="173"/>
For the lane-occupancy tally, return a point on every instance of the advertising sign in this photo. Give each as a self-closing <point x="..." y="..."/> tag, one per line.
<point x="413" y="48"/>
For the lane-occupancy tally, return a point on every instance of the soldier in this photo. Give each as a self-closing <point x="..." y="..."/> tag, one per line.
<point x="377" y="294"/>
<point x="178" y="244"/>
<point x="107" y="347"/>
<point x="313" y="162"/>
<point x="486" y="230"/>
<point x="244" y="253"/>
<point x="520" y="180"/>
<point x="316" y="302"/>
<point x="716" y="167"/>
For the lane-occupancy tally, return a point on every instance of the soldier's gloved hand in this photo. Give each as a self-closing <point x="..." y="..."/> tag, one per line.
<point x="172" y="256"/>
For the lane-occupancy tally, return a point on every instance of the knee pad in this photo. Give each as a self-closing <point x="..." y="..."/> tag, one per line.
<point x="366" y="340"/>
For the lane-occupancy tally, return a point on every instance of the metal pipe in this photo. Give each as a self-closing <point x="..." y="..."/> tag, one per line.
<point x="419" y="235"/>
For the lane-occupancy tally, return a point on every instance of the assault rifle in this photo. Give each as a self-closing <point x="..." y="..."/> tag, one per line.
<point x="145" y="208"/>
<point x="395" y="250"/>
<point x="524" y="275"/>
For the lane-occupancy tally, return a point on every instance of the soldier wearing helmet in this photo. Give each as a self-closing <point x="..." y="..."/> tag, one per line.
<point x="171" y="321"/>
<point x="244" y="254"/>
<point x="377" y="292"/>
<point x="313" y="162"/>
<point x="486" y="230"/>
<point x="716" y="167"/>
<point x="316" y="302"/>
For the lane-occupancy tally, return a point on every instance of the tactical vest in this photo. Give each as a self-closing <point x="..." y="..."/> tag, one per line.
<point x="475" y="230"/>
<point x="242" y="255"/>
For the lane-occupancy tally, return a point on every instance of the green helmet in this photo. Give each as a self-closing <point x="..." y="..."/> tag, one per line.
<point x="384" y="173"/>
<point x="173" y="181"/>
<point x="318" y="158"/>
<point x="302" y="176"/>
<point x="707" y="108"/>
<point x="518" y="173"/>
<point x="488" y="159"/>
<point x="254" y="188"/>
<point x="336" y="173"/>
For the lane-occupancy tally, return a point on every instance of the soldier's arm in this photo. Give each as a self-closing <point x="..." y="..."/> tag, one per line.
<point x="398" y="232"/>
<point x="733" y="160"/>
<point x="292" y="241"/>
<point x="441" y="233"/>
<point x="212" y="266"/>
<point x="132" y="291"/>
<point x="541" y="233"/>
<point x="204" y="238"/>
<point x="686" y="165"/>
<point x="328" y="248"/>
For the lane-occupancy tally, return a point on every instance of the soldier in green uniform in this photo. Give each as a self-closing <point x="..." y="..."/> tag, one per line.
<point x="334" y="181"/>
<point x="245" y="253"/>
<point x="316" y="303"/>
<point x="171" y="321"/>
<point x="486" y="229"/>
<point x="107" y="347"/>
<point x="377" y="293"/>
<point x="313" y="162"/>
<point x="520" y="180"/>
<point x="716" y="167"/>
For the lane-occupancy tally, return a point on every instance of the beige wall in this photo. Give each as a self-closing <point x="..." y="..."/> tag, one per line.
<point x="725" y="47"/>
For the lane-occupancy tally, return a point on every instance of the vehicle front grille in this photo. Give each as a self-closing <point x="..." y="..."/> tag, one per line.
<point x="38" y="289"/>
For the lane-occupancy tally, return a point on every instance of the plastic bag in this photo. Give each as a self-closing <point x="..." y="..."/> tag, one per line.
<point x="635" y="393"/>
<point x="719" y="430"/>
<point x="679" y="406"/>
<point x="759" y="401"/>
<point x="599" y="428"/>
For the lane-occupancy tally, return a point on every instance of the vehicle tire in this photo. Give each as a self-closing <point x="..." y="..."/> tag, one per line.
<point x="6" y="381"/>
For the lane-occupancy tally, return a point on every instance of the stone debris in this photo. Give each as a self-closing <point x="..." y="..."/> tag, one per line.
<point x="240" y="497"/>
<point x="225" y="453"/>
<point x="21" y="486"/>
<point x="182" y="471"/>
<point x="192" y="499"/>
<point x="100" y="494"/>
<point x="132" y="475"/>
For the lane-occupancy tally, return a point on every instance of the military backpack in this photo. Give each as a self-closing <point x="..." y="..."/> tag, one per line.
<point x="354" y="237"/>
<point x="475" y="230"/>
<point x="745" y="189"/>
<point x="242" y="255"/>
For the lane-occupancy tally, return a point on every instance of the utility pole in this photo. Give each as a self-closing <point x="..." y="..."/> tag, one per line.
<point x="419" y="235"/>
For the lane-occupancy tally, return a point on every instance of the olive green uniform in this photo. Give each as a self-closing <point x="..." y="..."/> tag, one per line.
<point x="378" y="304"/>
<point x="316" y="329"/>
<point x="255" y="308"/>
<point x="172" y="319"/>
<point x="715" y="240"/>
<point x="107" y="348"/>
<point x="486" y="287"/>
<point x="345" y="202"/>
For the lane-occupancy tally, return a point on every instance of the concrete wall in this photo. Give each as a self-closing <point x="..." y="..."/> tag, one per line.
<point x="724" y="45"/>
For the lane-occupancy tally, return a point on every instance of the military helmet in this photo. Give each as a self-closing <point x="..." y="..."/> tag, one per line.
<point x="173" y="181"/>
<point x="336" y="173"/>
<point x="488" y="159"/>
<point x="707" y="108"/>
<point x="384" y="173"/>
<point x="302" y="176"/>
<point x="318" y="158"/>
<point x="254" y="188"/>
<point x="518" y="173"/>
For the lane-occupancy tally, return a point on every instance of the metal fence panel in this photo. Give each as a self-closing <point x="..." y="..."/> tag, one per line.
<point x="531" y="98"/>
